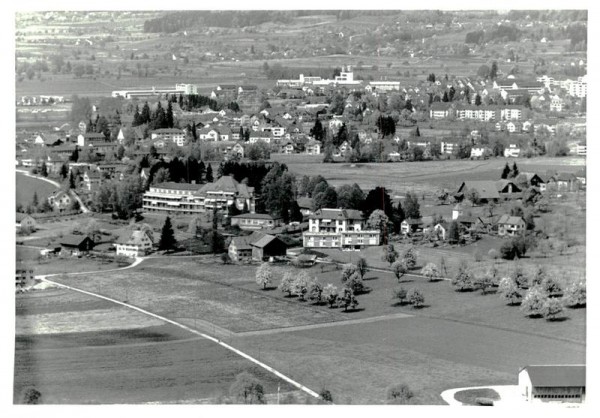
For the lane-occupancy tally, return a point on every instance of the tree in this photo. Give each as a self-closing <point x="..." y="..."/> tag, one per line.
<point x="44" y="170"/>
<point x="412" y="208"/>
<point x="463" y="280"/>
<point x="494" y="71"/>
<point x="350" y="196"/>
<point x="378" y="198"/>
<point x="442" y="196"/>
<point x="509" y="290"/>
<point x="483" y="282"/>
<point x="301" y="284"/>
<point x="453" y="232"/>
<point x="575" y="294"/>
<point x="35" y="200"/>
<point x="314" y="291"/>
<point x="400" y="294"/>
<point x="330" y="294"/>
<point x="209" y="174"/>
<point x="473" y="196"/>
<point x="167" y="236"/>
<point x="552" y="287"/>
<point x="389" y="254"/>
<point x="533" y="302"/>
<point x="169" y="117"/>
<point x="81" y="109"/>
<point x="552" y="308"/>
<point x="378" y="220"/>
<point x="286" y="283"/>
<point x="347" y="299"/>
<point x="399" y="394"/>
<point x="431" y="272"/>
<point x="505" y="171"/>
<point x="225" y="258"/>
<point x="362" y="267"/>
<point x="31" y="396"/>
<point x="515" y="171"/>
<point x="264" y="275"/>
<point x="326" y="199"/>
<point x="399" y="269"/>
<point x="415" y="297"/>
<point x="410" y="258"/>
<point x="326" y="396"/>
<point x="248" y="389"/>
<point x="64" y="171"/>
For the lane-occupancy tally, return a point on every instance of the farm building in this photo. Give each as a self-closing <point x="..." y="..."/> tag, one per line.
<point x="76" y="244"/>
<point x="25" y="222"/>
<point x="257" y="246"/>
<point x="561" y="384"/>
<point x="409" y="226"/>
<point x="510" y="226"/>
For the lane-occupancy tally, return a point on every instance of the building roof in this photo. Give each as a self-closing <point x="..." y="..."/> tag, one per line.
<point x="132" y="238"/>
<point x="254" y="216"/>
<point x="93" y="135"/>
<point x="339" y="214"/>
<point x="245" y="242"/>
<point x="556" y="376"/>
<point x="20" y="216"/>
<point x="177" y="186"/>
<point x="510" y="220"/>
<point x="413" y="221"/>
<point x="487" y="189"/>
<point x="264" y="241"/>
<point x="306" y="203"/>
<point x="73" y="240"/>
<point x="167" y="131"/>
<point x="227" y="184"/>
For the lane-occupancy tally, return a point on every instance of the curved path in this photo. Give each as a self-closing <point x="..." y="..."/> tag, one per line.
<point x="509" y="395"/>
<point x="177" y="324"/>
<point x="56" y="184"/>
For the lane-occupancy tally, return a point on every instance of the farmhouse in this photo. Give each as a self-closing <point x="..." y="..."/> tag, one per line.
<point x="338" y="228"/>
<point x="255" y="221"/>
<point x="486" y="189"/>
<point x="313" y="147"/>
<point x="560" y="384"/>
<point x="76" y="244"/>
<point x="564" y="181"/>
<point x="532" y="180"/>
<point x="257" y="246"/>
<point x="60" y="200"/>
<point x="409" y="226"/>
<point x="134" y="244"/>
<point x="91" y="180"/>
<point x="510" y="226"/>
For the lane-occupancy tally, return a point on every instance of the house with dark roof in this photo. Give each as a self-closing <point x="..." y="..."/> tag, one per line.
<point x="553" y="383"/>
<point x="25" y="222"/>
<point x="60" y="200"/>
<point x="307" y="206"/>
<point x="76" y="244"/>
<point x="410" y="226"/>
<point x="255" y="221"/>
<point x="257" y="246"/>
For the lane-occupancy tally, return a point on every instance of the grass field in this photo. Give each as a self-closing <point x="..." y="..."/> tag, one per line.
<point x="115" y="355"/>
<point x="27" y="186"/>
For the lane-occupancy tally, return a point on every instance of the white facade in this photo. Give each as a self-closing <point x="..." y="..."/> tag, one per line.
<point x="512" y="151"/>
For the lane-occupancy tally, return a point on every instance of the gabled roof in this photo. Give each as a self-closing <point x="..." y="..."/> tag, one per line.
<point x="264" y="241"/>
<point x="487" y="189"/>
<point x="306" y="203"/>
<point x="73" y="240"/>
<point x="227" y="184"/>
<point x="339" y="214"/>
<point x="167" y="131"/>
<point x="133" y="238"/>
<point x="254" y="216"/>
<point x="510" y="220"/>
<point x="20" y="216"/>
<point x="556" y="376"/>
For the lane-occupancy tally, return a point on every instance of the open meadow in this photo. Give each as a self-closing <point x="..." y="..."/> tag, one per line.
<point x="27" y="186"/>
<point x="458" y="338"/>
<point x="115" y="355"/>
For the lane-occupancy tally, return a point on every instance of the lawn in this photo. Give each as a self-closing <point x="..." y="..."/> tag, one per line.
<point x="470" y="396"/>
<point x="59" y="264"/>
<point x="115" y="355"/>
<point x="27" y="186"/>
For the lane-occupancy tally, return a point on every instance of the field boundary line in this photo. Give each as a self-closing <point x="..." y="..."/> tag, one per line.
<point x="193" y="331"/>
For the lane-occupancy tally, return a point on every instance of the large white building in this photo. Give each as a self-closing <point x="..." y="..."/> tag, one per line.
<point x="562" y="384"/>
<point x="191" y="199"/>
<point x="134" y="244"/>
<point x="338" y="228"/>
<point x="174" y="135"/>
<point x="578" y="88"/>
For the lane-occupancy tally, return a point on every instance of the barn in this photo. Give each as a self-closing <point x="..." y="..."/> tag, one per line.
<point x="553" y="383"/>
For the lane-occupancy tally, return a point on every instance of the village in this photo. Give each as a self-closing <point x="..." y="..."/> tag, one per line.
<point x="250" y="211"/>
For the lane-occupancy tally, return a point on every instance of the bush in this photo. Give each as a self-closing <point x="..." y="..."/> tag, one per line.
<point x="552" y="308"/>
<point x="326" y="395"/>
<point x="533" y="302"/>
<point x="248" y="389"/>
<point x="31" y="396"/>
<point x="399" y="394"/>
<point x="415" y="298"/>
<point x="575" y="295"/>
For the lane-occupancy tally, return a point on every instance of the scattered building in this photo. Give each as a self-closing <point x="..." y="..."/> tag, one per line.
<point x="511" y="226"/>
<point x="338" y="228"/>
<point x="134" y="244"/>
<point x="255" y="221"/>
<point x="553" y="384"/>
<point x="257" y="246"/>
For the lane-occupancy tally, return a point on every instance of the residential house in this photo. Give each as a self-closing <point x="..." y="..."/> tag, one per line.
<point x="264" y="136"/>
<point x="486" y="189"/>
<point x="306" y="205"/>
<point x="564" y="182"/>
<point x="479" y="152"/>
<point x="60" y="200"/>
<point x="134" y="244"/>
<point x="556" y="104"/>
<point x="510" y="226"/>
<point x="338" y="228"/>
<point x="90" y="138"/>
<point x="512" y="151"/>
<point x="238" y="149"/>
<point x="533" y="180"/>
<point x="25" y="222"/>
<point x="439" y="110"/>
<point x="24" y="276"/>
<point x="91" y="180"/>
<point x="255" y="221"/>
<point x="581" y="176"/>
<point x="447" y="147"/>
<point x="288" y="147"/>
<point x="410" y="226"/>
<point x="313" y="147"/>
<point x="562" y="384"/>
<point x="441" y="229"/>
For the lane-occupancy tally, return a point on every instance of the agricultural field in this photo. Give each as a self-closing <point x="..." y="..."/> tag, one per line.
<point x="116" y="355"/>
<point x="27" y="186"/>
<point x="460" y="338"/>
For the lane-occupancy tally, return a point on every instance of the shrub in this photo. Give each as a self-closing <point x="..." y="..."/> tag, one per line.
<point x="533" y="302"/>
<point x="399" y="293"/>
<point x="575" y="294"/>
<point x="326" y="395"/>
<point x="248" y="389"/>
<point x="509" y="290"/>
<point x="330" y="294"/>
<point x="399" y="394"/>
<point x="415" y="298"/>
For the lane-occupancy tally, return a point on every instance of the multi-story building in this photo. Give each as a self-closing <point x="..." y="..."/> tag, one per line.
<point x="480" y="113"/>
<point x="447" y="147"/>
<point x="338" y="228"/>
<point x="192" y="199"/>
<point x="134" y="244"/>
<point x="578" y="88"/>
<point x="384" y="85"/>
<point x="24" y="276"/>
<point x="511" y="113"/>
<point x="176" y="136"/>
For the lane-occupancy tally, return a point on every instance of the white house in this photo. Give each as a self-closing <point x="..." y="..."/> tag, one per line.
<point x="134" y="244"/>
<point x="563" y="384"/>
<point x="338" y="228"/>
<point x="512" y="151"/>
<point x="176" y="136"/>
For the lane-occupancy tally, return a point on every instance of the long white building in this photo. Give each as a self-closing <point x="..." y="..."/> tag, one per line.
<point x="338" y="228"/>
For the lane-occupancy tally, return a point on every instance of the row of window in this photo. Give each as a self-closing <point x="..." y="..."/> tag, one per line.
<point x="557" y="396"/>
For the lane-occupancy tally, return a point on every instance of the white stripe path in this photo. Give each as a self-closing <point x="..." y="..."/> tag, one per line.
<point x="193" y="331"/>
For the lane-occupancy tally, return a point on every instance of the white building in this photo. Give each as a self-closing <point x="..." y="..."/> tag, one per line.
<point x="338" y="228"/>
<point x="561" y="384"/>
<point x="385" y="85"/>
<point x="134" y="244"/>
<point x="187" y="88"/>
<point x="176" y="136"/>
<point x="447" y="147"/>
<point x="578" y="88"/>
<point x="512" y="151"/>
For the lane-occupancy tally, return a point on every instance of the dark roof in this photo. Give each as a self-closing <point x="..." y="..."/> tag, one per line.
<point x="557" y="376"/>
<point x="264" y="241"/>
<point x="337" y="214"/>
<point x="167" y="131"/>
<point x="73" y="240"/>
<point x="510" y="220"/>
<point x="21" y="216"/>
<point x="227" y="184"/>
<point x="177" y="186"/>
<point x="132" y="238"/>
<point x="306" y="203"/>
<point x="254" y="216"/>
<point x="487" y="189"/>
